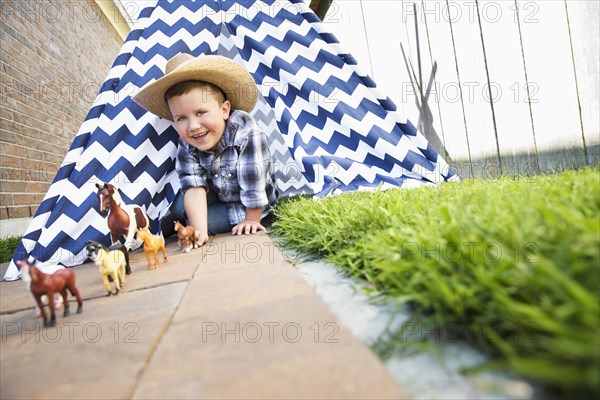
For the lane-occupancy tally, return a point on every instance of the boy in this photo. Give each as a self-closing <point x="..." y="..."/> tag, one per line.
<point x="223" y="159"/>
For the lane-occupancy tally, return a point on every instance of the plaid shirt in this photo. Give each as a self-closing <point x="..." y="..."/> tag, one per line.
<point x="239" y="169"/>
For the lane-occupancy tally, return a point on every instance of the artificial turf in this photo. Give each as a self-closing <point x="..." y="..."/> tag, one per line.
<point x="511" y="265"/>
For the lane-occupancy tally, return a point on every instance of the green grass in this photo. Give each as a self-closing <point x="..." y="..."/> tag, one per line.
<point x="512" y="264"/>
<point x="8" y="246"/>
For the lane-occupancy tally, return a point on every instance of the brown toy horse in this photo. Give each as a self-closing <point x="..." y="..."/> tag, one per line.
<point x="123" y="219"/>
<point x="186" y="236"/>
<point x="48" y="284"/>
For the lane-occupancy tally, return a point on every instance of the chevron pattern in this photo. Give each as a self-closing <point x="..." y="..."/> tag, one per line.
<point x="330" y="129"/>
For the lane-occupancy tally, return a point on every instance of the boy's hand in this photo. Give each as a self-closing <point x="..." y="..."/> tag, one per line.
<point x="247" y="227"/>
<point x="201" y="238"/>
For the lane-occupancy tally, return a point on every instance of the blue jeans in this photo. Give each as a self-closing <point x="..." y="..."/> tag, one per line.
<point x="218" y="218"/>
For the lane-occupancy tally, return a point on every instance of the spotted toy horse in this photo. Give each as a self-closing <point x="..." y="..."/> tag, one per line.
<point x="123" y="219"/>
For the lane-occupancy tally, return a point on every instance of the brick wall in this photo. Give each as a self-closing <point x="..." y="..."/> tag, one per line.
<point x="54" y="56"/>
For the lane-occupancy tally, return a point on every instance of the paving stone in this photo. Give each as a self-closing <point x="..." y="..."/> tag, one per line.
<point x="251" y="327"/>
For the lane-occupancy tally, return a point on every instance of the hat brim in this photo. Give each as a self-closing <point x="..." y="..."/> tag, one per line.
<point x="233" y="79"/>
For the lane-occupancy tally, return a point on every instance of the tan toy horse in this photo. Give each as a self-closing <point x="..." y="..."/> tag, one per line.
<point x="111" y="262"/>
<point x="152" y="243"/>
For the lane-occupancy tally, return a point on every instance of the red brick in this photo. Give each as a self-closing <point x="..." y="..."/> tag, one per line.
<point x="23" y="199"/>
<point x="54" y="158"/>
<point x="33" y="119"/>
<point x="13" y="186"/>
<point x="14" y="150"/>
<point x="19" y="212"/>
<point x="8" y="137"/>
<point x="5" y="113"/>
<point x="11" y="174"/>
<point x="6" y="199"/>
<point x="34" y="154"/>
<point x="9" y="159"/>
<point x="12" y="127"/>
<point x="37" y="187"/>
<point x="12" y="52"/>
<point x="26" y="141"/>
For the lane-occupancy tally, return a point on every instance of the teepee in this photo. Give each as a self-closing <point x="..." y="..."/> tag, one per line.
<point x="330" y="129"/>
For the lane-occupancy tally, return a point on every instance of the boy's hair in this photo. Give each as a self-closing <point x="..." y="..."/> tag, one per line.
<point x="184" y="87"/>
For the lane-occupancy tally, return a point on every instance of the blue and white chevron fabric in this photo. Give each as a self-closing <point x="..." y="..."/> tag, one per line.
<point x="331" y="129"/>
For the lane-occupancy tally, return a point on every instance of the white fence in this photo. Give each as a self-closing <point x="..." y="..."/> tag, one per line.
<point x="515" y="88"/>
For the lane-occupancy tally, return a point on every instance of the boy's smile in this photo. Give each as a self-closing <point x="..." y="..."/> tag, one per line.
<point x="199" y="118"/>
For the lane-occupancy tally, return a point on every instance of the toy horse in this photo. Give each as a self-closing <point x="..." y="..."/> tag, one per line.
<point x="152" y="243"/>
<point x="185" y="245"/>
<point x="187" y="237"/>
<point x="112" y="262"/>
<point x="47" y="269"/>
<point x="123" y="219"/>
<point x="48" y="284"/>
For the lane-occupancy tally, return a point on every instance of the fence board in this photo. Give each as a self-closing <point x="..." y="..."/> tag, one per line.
<point x="584" y="23"/>
<point x="446" y="89"/>
<point x="473" y="81"/>
<point x="508" y="87"/>
<point x="429" y="121"/>
<point x="549" y="65"/>
<point x="385" y="32"/>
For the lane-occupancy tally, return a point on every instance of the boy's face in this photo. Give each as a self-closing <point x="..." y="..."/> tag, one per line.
<point x="199" y="117"/>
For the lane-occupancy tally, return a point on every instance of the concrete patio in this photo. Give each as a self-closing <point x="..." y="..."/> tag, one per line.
<point x="233" y="319"/>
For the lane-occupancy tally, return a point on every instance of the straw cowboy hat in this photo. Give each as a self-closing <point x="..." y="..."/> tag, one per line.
<point x="233" y="79"/>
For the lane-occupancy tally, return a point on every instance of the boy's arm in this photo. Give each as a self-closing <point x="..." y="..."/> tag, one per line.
<point x="253" y="169"/>
<point x="251" y="224"/>
<point x="193" y="181"/>
<point x="194" y="202"/>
